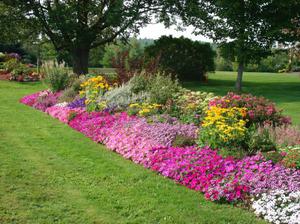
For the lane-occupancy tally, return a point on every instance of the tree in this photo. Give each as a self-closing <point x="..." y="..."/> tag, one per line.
<point x="78" y="26"/>
<point x="14" y="26"/>
<point x="247" y="29"/>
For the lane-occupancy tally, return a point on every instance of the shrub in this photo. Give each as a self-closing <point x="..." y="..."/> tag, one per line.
<point x="259" y="110"/>
<point x="189" y="106"/>
<point x="57" y="76"/>
<point x="188" y="59"/>
<point x="183" y="141"/>
<point x="121" y="97"/>
<point x="68" y="95"/>
<point x="259" y="140"/>
<point x="223" y="127"/>
<point x="139" y="83"/>
<point x="161" y="88"/>
<point x="11" y="64"/>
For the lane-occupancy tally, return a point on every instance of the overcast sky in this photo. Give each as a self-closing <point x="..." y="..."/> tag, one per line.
<point x="154" y="31"/>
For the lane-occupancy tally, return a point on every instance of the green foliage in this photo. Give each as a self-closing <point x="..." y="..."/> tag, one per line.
<point x="274" y="156"/>
<point x="111" y="51"/>
<point x="139" y="83"/>
<point x="189" y="60"/>
<point x="259" y="140"/>
<point x="68" y="95"/>
<point x="121" y="97"/>
<point x="57" y="76"/>
<point x="76" y="27"/>
<point x="161" y="88"/>
<point x="189" y="106"/>
<point x="292" y="156"/>
<point x="183" y="141"/>
<point x="11" y="64"/>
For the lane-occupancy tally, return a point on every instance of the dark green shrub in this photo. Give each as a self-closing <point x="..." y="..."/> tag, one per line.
<point x="189" y="60"/>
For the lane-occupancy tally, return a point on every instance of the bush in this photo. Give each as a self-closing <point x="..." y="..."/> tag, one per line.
<point x="259" y="140"/>
<point x="260" y="110"/>
<point x="189" y="106"/>
<point x="161" y="88"/>
<point x="68" y="95"/>
<point x="188" y="59"/>
<point x="11" y="64"/>
<point x="183" y="141"/>
<point x="120" y="98"/>
<point x="56" y="75"/>
<point x="139" y="83"/>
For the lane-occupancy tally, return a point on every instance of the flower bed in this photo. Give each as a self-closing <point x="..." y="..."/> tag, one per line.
<point x="151" y="141"/>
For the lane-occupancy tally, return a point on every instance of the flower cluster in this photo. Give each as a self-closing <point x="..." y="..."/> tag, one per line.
<point x="77" y="103"/>
<point x="30" y="100"/>
<point x="291" y="156"/>
<point x="46" y="99"/>
<point x="92" y="89"/>
<point x="279" y="207"/>
<point x="62" y="113"/>
<point x="259" y="109"/>
<point x="189" y="106"/>
<point x="41" y="100"/>
<point x="143" y="109"/>
<point x="223" y="127"/>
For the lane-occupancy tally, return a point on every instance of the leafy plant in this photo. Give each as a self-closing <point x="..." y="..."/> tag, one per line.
<point x="183" y="141"/>
<point x="68" y="95"/>
<point x="57" y="76"/>
<point x="161" y="88"/>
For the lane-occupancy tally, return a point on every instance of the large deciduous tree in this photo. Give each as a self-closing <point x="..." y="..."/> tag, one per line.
<point x="77" y="26"/>
<point x="246" y="27"/>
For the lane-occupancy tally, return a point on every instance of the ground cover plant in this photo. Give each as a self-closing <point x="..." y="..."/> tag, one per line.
<point x="225" y="165"/>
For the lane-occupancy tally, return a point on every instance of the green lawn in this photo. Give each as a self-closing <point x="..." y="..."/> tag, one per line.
<point x="284" y="89"/>
<point x="52" y="174"/>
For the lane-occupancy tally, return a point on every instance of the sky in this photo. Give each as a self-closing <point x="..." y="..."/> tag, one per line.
<point x="154" y="31"/>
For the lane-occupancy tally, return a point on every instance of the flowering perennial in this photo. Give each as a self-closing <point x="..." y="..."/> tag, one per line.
<point x="259" y="109"/>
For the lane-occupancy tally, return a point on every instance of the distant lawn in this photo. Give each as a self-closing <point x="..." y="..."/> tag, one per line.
<point x="284" y="89"/>
<point x="50" y="173"/>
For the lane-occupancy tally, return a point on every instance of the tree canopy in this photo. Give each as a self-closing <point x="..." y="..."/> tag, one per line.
<point x="78" y="26"/>
<point x="246" y="28"/>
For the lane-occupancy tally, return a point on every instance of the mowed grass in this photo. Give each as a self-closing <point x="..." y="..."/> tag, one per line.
<point x="283" y="89"/>
<point x="50" y="173"/>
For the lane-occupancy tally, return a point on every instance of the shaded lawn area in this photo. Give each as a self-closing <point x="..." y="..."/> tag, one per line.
<point x="50" y="173"/>
<point x="284" y="89"/>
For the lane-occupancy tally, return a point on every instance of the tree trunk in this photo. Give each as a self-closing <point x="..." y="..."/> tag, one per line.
<point x="238" y="84"/>
<point x="80" y="60"/>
